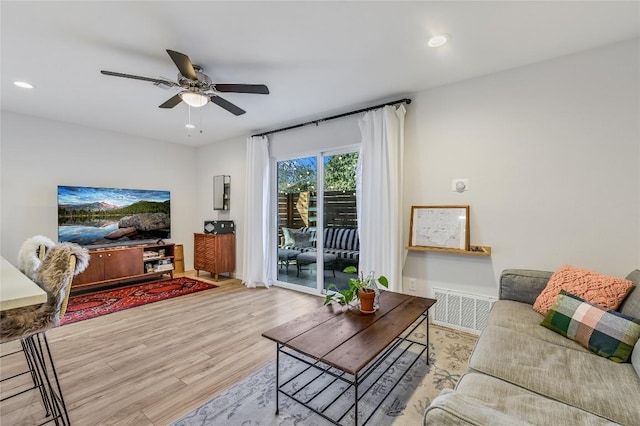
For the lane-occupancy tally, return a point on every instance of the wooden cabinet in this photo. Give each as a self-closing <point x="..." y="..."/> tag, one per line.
<point x="112" y="265"/>
<point x="215" y="253"/>
<point x="122" y="263"/>
<point x="178" y="258"/>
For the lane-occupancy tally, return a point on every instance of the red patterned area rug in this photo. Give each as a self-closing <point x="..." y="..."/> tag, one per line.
<point x="103" y="303"/>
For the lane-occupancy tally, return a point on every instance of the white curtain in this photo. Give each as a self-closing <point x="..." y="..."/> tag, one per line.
<point x="256" y="267"/>
<point x="379" y="193"/>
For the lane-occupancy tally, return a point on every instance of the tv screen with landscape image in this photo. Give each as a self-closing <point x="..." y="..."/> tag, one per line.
<point x="112" y="216"/>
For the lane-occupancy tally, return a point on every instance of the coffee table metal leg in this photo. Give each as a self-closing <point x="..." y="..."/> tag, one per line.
<point x="277" y="377"/>
<point x="427" y="337"/>
<point x="355" y="389"/>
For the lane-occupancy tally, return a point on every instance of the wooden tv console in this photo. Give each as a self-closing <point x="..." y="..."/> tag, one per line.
<point x="118" y="264"/>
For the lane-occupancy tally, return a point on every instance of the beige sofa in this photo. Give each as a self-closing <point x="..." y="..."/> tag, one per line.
<point x="522" y="373"/>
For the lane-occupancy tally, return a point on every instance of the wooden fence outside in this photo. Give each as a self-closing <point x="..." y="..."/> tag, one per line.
<point x="339" y="210"/>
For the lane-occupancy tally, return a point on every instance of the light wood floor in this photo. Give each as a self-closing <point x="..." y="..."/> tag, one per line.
<point x="152" y="364"/>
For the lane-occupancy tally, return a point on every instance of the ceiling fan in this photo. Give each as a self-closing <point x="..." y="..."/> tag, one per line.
<point x="198" y="89"/>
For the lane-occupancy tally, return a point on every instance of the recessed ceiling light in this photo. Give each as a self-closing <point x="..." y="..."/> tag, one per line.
<point x="23" y="84"/>
<point x="190" y="126"/>
<point x="438" y="40"/>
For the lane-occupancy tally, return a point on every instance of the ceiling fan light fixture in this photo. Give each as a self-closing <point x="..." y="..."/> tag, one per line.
<point x="438" y="40"/>
<point x="23" y="84"/>
<point x="190" y="126"/>
<point x="194" y="99"/>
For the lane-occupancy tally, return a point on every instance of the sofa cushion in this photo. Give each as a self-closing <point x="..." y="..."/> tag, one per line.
<point x="608" y="292"/>
<point x="523" y="285"/>
<point x="635" y="357"/>
<point x="609" y="334"/>
<point x="520" y="404"/>
<point x="453" y="409"/>
<point x="521" y="317"/>
<point x="631" y="305"/>
<point x="580" y="379"/>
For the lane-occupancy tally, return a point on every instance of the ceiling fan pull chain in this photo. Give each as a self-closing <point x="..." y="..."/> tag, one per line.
<point x="189" y="126"/>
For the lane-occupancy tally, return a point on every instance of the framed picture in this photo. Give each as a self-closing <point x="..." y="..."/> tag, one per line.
<point x="445" y="227"/>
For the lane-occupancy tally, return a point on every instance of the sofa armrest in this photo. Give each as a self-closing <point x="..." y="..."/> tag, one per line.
<point x="453" y="409"/>
<point x="522" y="285"/>
<point x="631" y="305"/>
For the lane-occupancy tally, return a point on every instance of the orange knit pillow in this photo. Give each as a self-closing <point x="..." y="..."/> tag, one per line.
<point x="608" y="292"/>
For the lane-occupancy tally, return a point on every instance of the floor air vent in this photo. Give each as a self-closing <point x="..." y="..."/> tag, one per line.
<point x="462" y="311"/>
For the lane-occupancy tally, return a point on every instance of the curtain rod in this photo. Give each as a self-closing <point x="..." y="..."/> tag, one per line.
<point x="333" y="117"/>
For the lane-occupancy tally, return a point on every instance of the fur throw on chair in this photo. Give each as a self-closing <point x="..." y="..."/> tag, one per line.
<point x="54" y="275"/>
<point x="28" y="260"/>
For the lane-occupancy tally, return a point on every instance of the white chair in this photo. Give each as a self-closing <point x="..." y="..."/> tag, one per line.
<point x="31" y="254"/>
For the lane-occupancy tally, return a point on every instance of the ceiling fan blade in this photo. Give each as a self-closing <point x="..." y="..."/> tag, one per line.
<point x="183" y="63"/>
<point x="137" y="77"/>
<point x="171" y="102"/>
<point x="260" y="89"/>
<point x="233" y="109"/>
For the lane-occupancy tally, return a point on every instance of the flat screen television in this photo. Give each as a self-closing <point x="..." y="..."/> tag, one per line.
<point x="102" y="217"/>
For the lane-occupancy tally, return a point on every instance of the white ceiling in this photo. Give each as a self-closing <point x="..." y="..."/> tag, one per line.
<point x="317" y="58"/>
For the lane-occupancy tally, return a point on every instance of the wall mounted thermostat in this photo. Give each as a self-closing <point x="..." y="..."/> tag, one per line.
<point x="460" y="185"/>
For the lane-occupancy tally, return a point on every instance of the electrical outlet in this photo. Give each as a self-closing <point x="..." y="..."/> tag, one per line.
<point x="412" y="284"/>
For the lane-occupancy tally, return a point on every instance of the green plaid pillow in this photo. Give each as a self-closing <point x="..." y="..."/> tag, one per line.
<point x="607" y="333"/>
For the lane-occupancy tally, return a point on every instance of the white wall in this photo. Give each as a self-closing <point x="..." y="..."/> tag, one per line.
<point x="37" y="155"/>
<point x="552" y="153"/>
<point x="229" y="158"/>
<point x="314" y="138"/>
<point x="223" y="158"/>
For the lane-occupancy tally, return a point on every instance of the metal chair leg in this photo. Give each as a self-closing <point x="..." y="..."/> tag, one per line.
<point x="58" y="413"/>
<point x="55" y="375"/>
<point x="36" y="375"/>
<point x="34" y="372"/>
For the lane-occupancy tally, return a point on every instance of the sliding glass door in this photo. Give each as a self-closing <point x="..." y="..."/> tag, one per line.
<point x="340" y="220"/>
<point x="316" y="208"/>
<point x="297" y="180"/>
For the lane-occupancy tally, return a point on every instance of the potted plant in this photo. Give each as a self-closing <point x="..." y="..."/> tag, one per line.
<point x="360" y="287"/>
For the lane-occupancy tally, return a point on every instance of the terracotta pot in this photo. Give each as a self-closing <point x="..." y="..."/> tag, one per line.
<point x="367" y="298"/>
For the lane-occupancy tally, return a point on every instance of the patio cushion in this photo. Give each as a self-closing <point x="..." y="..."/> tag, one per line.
<point x="301" y="239"/>
<point x="341" y="238"/>
<point x="344" y="243"/>
<point x="344" y="254"/>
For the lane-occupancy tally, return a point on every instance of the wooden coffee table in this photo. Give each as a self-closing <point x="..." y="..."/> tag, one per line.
<point x="333" y="336"/>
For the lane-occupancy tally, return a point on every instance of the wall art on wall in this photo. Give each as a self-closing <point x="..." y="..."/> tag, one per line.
<point x="444" y="227"/>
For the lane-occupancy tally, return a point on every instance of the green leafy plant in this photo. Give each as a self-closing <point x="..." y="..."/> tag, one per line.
<point x="344" y="297"/>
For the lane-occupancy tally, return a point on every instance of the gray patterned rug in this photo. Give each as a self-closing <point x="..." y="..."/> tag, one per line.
<point x="251" y="402"/>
